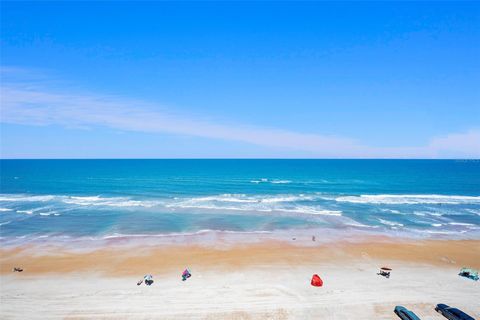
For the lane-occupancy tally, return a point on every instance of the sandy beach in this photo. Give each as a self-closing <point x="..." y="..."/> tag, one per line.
<point x="239" y="160"/>
<point x="254" y="281"/>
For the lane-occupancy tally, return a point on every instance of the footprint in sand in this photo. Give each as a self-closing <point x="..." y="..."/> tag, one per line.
<point x="447" y="260"/>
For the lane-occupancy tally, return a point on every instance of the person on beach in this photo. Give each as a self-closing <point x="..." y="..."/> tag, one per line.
<point x="186" y="274"/>
<point x="148" y="279"/>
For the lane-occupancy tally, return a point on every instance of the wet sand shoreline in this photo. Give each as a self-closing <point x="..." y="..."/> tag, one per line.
<point x="124" y="261"/>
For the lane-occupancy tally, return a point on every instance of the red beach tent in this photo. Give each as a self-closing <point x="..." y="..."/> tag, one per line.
<point x="316" y="281"/>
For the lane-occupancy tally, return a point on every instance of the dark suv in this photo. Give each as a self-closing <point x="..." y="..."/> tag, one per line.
<point x="405" y="314"/>
<point x="452" y="313"/>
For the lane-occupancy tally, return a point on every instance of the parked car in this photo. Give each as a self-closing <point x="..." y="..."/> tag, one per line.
<point x="452" y="313"/>
<point x="405" y="314"/>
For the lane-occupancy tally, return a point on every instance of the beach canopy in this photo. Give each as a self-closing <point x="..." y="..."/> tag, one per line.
<point x="469" y="273"/>
<point x="385" y="269"/>
<point x="316" y="281"/>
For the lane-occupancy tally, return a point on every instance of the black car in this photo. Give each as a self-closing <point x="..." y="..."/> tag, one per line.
<point x="452" y="313"/>
<point x="405" y="314"/>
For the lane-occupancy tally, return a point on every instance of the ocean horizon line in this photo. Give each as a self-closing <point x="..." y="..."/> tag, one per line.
<point x="213" y="158"/>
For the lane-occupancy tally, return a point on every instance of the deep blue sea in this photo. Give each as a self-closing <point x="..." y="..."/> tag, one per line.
<point x="102" y="199"/>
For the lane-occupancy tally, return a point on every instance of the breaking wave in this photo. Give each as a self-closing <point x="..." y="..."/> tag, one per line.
<point x="273" y="181"/>
<point x="461" y="224"/>
<point x="410" y="199"/>
<point x="287" y="203"/>
<point x="242" y="202"/>
<point x="80" y="200"/>
<point x="49" y="214"/>
<point x="177" y="234"/>
<point x="109" y="202"/>
<point x="25" y="211"/>
<point x="26" y="198"/>
<point x="390" y="223"/>
<point x="289" y="210"/>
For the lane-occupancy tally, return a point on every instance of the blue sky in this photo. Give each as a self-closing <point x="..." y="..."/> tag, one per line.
<point x="240" y="79"/>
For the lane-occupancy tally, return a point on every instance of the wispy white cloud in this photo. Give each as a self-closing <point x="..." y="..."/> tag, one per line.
<point x="463" y="145"/>
<point x="456" y="144"/>
<point x="30" y="103"/>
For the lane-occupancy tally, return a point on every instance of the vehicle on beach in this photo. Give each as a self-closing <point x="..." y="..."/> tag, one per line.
<point x="452" y="313"/>
<point x="405" y="314"/>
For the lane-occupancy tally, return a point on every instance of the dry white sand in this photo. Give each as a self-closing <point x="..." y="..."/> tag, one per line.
<point x="350" y="291"/>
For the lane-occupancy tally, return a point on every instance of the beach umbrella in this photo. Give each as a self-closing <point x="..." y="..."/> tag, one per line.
<point x="385" y="269"/>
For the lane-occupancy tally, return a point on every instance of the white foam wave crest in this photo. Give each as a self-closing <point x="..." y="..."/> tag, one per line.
<point x="359" y="225"/>
<point x="460" y="224"/>
<point x="216" y="207"/>
<point x="310" y="210"/>
<point x="177" y="234"/>
<point x="242" y="202"/>
<point x="25" y="211"/>
<point x="5" y="209"/>
<point x="390" y="211"/>
<point x="390" y="223"/>
<point x="410" y="199"/>
<point x="273" y="181"/>
<point x="49" y="214"/>
<point x="243" y="198"/>
<point x="435" y="214"/>
<point x="301" y="210"/>
<point x="26" y="198"/>
<point x="109" y="202"/>
<point x="286" y="198"/>
<point x="280" y="181"/>
<point x="474" y="211"/>
<point x="445" y="232"/>
<point x="81" y="200"/>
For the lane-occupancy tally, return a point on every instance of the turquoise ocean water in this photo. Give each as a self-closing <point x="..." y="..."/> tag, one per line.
<point x="64" y="200"/>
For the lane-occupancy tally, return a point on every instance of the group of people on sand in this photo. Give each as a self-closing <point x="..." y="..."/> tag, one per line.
<point x="148" y="278"/>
